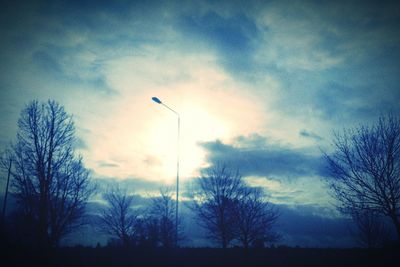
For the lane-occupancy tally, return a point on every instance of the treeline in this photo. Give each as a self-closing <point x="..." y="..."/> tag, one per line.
<point x="228" y="209"/>
<point x="52" y="187"/>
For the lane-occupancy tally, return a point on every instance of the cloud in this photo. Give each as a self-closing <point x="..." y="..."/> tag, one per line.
<point x="104" y="164"/>
<point x="253" y="157"/>
<point x="345" y="103"/>
<point x="323" y="66"/>
<point x="303" y="225"/>
<point x="300" y="225"/>
<point x="232" y="37"/>
<point x="313" y="226"/>
<point x="135" y="185"/>
<point x="311" y="135"/>
<point x="80" y="144"/>
<point x="233" y="33"/>
<point x="308" y="190"/>
<point x="45" y="61"/>
<point x="71" y="65"/>
<point x="314" y="49"/>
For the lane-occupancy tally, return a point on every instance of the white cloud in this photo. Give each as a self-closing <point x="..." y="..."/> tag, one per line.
<point x="310" y="190"/>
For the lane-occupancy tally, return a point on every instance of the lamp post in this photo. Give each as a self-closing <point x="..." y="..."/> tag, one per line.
<point x="158" y="101"/>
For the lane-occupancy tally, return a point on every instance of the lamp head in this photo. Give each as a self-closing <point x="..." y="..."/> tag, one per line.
<point x="155" y="99"/>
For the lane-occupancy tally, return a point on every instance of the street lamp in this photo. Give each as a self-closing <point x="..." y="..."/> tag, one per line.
<point x="158" y="101"/>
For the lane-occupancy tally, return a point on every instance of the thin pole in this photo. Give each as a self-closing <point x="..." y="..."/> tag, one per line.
<point x="5" y="196"/>
<point x="177" y="182"/>
<point x="177" y="172"/>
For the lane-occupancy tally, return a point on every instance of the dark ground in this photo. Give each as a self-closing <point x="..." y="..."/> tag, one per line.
<point x="81" y="256"/>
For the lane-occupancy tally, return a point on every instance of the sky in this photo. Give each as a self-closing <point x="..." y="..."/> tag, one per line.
<point x="261" y="85"/>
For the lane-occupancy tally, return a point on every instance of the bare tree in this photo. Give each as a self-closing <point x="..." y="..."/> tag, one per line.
<point x="50" y="182"/>
<point x="214" y="204"/>
<point x="147" y="232"/>
<point x="366" y="169"/>
<point x="370" y="231"/>
<point x="255" y="217"/>
<point x="118" y="219"/>
<point x="162" y="210"/>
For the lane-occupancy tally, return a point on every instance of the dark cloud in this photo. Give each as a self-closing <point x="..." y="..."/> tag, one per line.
<point x="311" y="135"/>
<point x="344" y="104"/>
<point x="335" y="98"/>
<point x="255" y="157"/>
<point x="312" y="226"/>
<point x="104" y="164"/>
<point x="232" y="37"/>
<point x="233" y="33"/>
<point x="303" y="225"/>
<point x="300" y="225"/>
<point x="84" y="7"/>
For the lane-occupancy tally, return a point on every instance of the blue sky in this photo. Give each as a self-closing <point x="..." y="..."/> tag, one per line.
<point x="259" y="84"/>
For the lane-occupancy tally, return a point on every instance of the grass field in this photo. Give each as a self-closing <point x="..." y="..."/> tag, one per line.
<point x="82" y="256"/>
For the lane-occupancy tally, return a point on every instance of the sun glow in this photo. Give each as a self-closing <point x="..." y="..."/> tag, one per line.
<point x="142" y="136"/>
<point x="196" y="125"/>
<point x="137" y="138"/>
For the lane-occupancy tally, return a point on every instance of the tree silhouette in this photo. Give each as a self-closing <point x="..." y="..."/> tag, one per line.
<point x="118" y="219"/>
<point x="50" y="182"/>
<point x="155" y="225"/>
<point x="370" y="231"/>
<point x="365" y="167"/>
<point x="163" y="211"/>
<point x="230" y="210"/>
<point x="147" y="232"/>
<point x="255" y="217"/>
<point x="214" y="203"/>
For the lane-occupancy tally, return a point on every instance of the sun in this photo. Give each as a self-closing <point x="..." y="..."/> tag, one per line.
<point x="196" y="125"/>
<point x="139" y="139"/>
